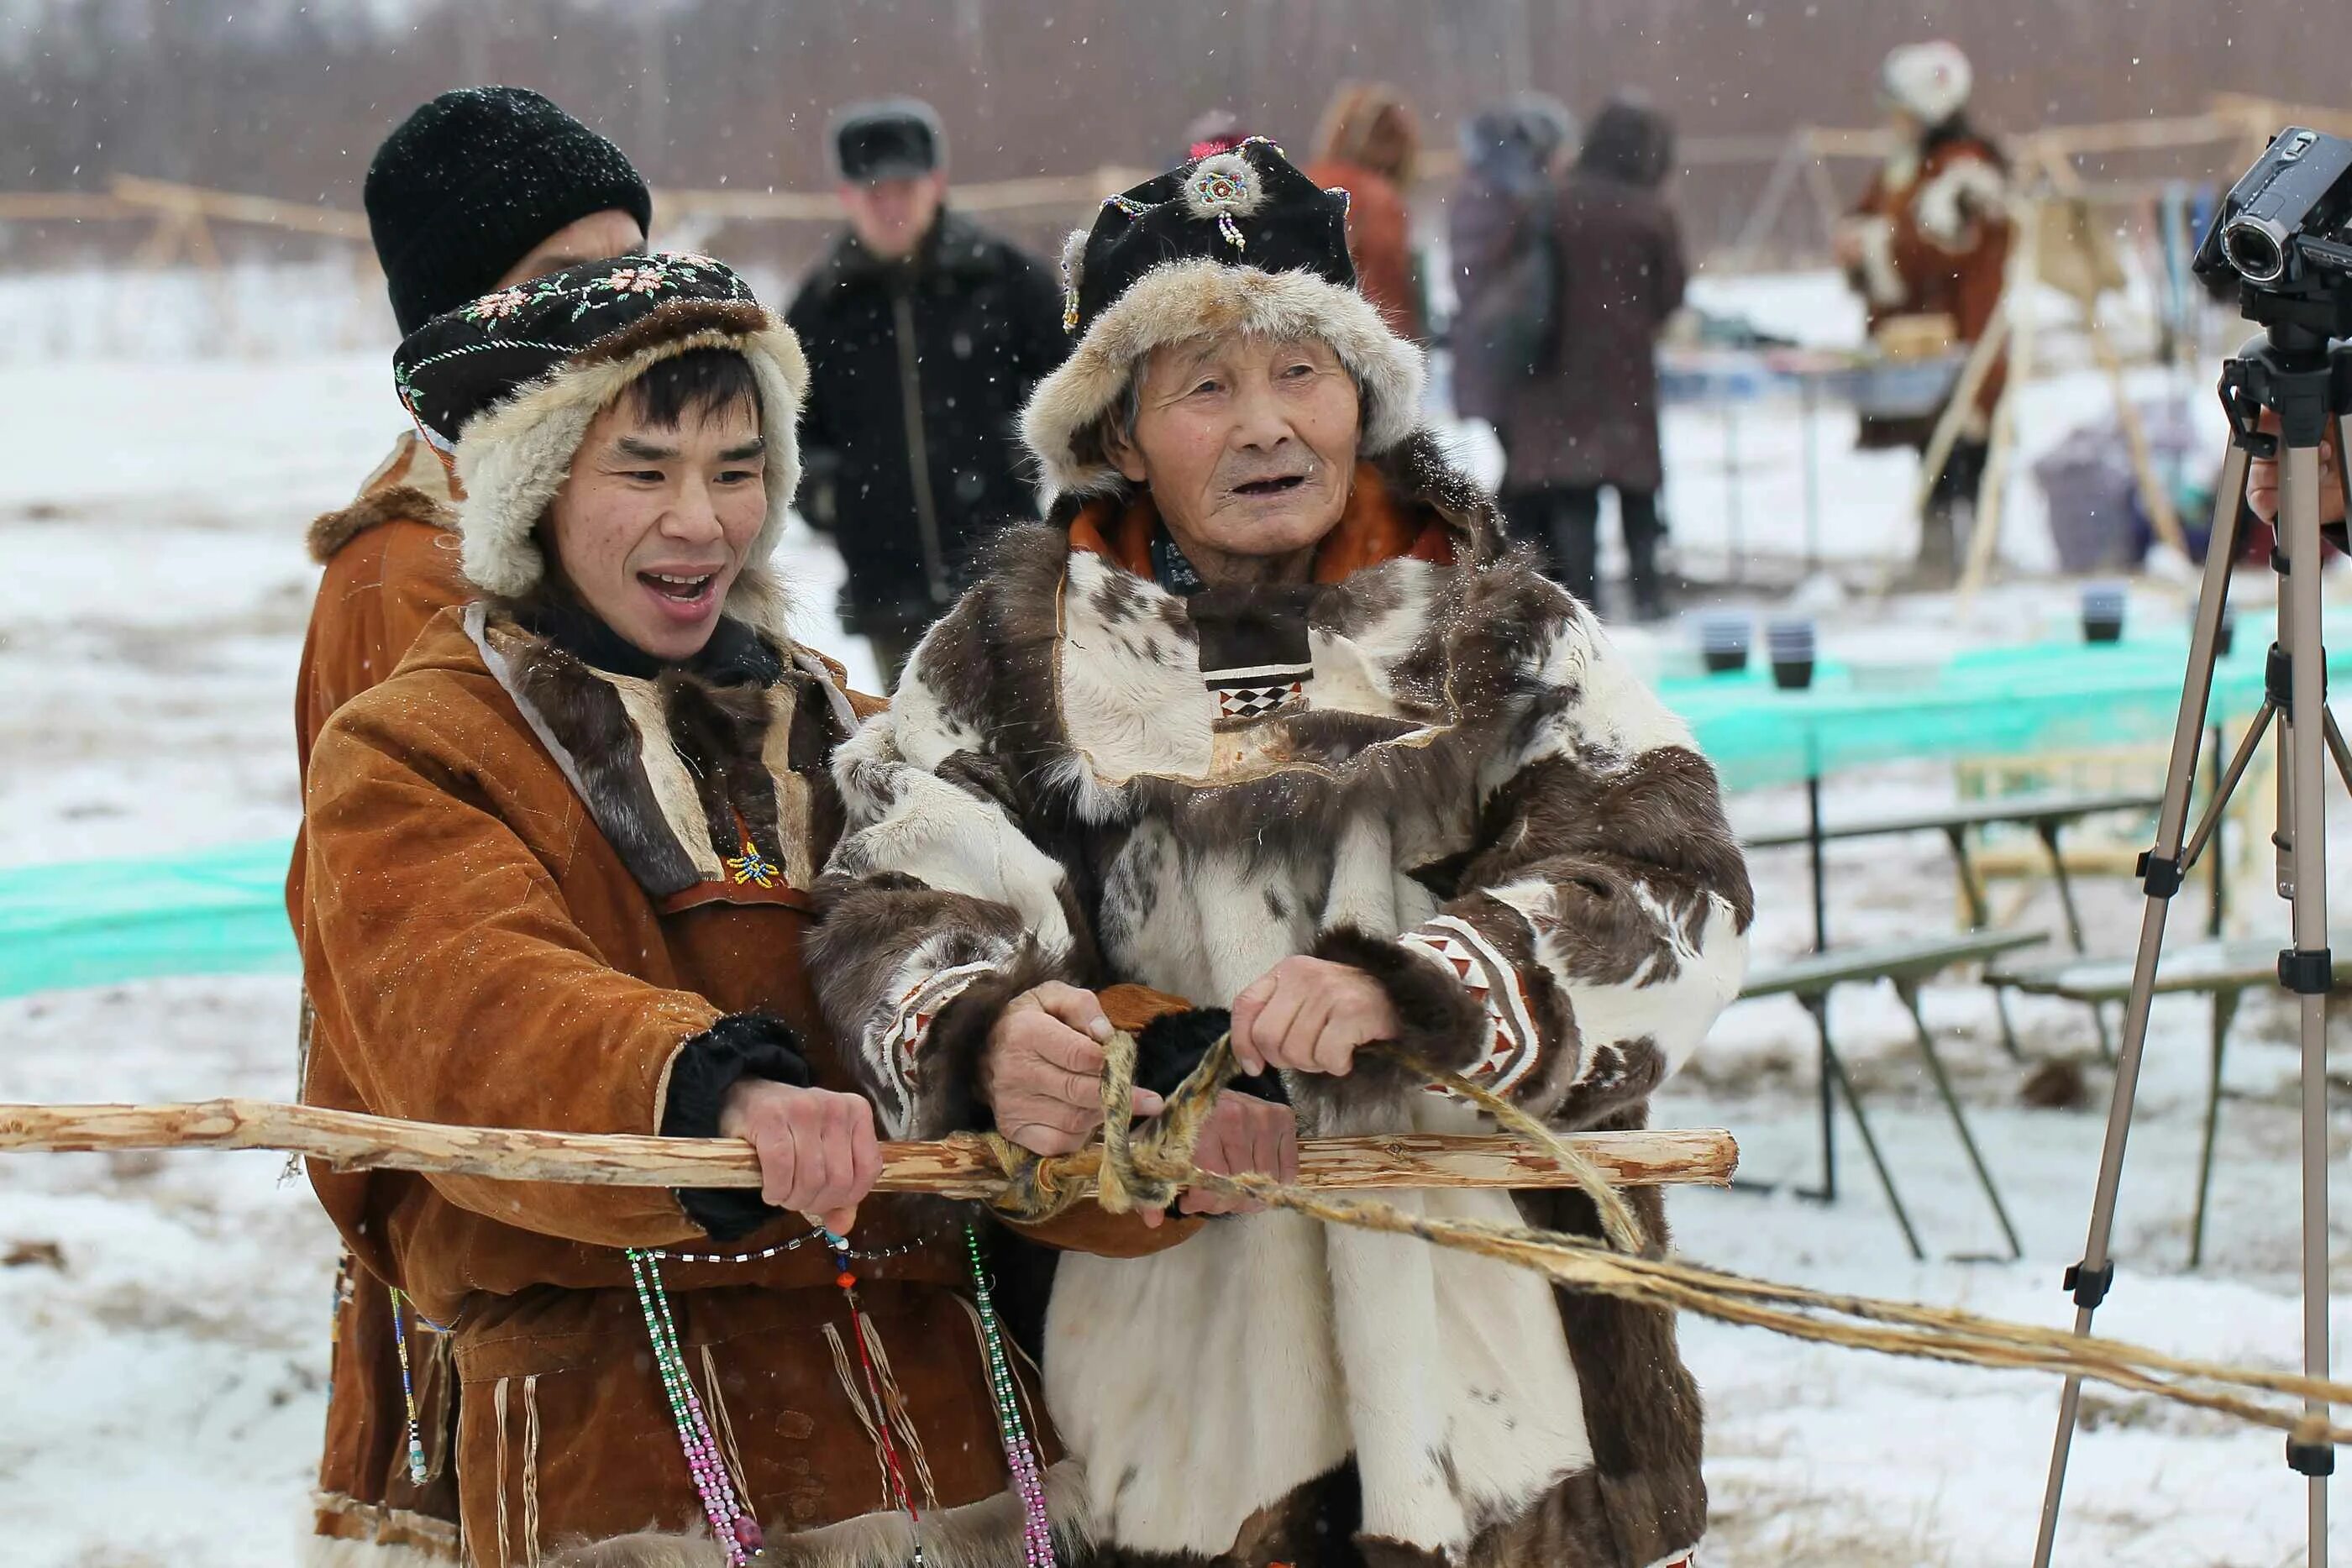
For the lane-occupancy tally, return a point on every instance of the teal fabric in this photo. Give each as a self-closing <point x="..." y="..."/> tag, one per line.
<point x="222" y="911"/>
<point x="97" y="923"/>
<point x="2007" y="702"/>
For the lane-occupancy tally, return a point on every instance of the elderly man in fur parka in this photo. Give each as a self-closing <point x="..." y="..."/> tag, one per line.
<point x="1263" y="731"/>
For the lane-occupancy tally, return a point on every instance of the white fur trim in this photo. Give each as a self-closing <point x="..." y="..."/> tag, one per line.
<point x="1874" y="239"/>
<point x="514" y="456"/>
<point x="1327" y="1342"/>
<point x="1956" y="198"/>
<point x="1182" y="300"/>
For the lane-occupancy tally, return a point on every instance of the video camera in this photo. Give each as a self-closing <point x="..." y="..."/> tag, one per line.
<point x="2284" y="232"/>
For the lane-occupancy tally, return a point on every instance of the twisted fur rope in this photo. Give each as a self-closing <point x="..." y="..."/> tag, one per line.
<point x="1127" y="1171"/>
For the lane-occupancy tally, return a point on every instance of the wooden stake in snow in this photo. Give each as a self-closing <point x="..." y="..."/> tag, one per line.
<point x="953" y="1167"/>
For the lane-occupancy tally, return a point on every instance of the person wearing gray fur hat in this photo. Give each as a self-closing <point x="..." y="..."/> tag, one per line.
<point x="1264" y="732"/>
<point x="562" y="867"/>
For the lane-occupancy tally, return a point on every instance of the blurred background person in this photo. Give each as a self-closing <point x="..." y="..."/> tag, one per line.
<point x="1368" y="145"/>
<point x="1587" y="418"/>
<point x="1212" y="131"/>
<point x="1928" y="249"/>
<point x="479" y="189"/>
<point x="924" y="334"/>
<point x="1501" y="235"/>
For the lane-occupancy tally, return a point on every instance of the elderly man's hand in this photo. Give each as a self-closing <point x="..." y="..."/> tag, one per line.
<point x="2262" y="479"/>
<point x="1042" y="1074"/>
<point x="818" y="1155"/>
<point x="1310" y="1015"/>
<point x="1243" y="1133"/>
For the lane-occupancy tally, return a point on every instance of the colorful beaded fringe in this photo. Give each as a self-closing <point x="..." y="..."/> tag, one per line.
<point x="417" y="1472"/>
<point x="730" y="1521"/>
<point x="1020" y="1455"/>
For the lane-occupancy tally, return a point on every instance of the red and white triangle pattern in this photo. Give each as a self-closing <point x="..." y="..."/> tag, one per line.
<point x="1514" y="1046"/>
<point x="910" y="1021"/>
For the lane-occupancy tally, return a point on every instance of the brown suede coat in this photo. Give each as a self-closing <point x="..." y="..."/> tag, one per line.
<point x="390" y="565"/>
<point x="485" y="946"/>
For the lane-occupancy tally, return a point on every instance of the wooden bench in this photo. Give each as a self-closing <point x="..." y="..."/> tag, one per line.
<point x="2223" y="971"/>
<point x="2048" y="813"/>
<point x="1907" y="965"/>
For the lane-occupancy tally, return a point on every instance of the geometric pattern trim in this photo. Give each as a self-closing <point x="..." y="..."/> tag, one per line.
<point x="1512" y="1043"/>
<point x="910" y="1021"/>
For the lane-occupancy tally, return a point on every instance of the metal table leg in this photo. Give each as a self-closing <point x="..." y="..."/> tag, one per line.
<point x="2225" y="1008"/>
<point x="1909" y="992"/>
<point x="2048" y="832"/>
<point x="1980" y="916"/>
<point x="1833" y="1071"/>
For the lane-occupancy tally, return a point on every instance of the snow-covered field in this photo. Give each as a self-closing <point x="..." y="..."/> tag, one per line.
<point x="162" y="1369"/>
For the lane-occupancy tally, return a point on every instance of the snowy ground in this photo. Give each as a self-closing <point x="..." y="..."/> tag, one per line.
<point x="161" y="1374"/>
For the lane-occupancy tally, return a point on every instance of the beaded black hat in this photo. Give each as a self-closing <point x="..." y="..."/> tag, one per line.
<point x="509" y="383"/>
<point x="1239" y="240"/>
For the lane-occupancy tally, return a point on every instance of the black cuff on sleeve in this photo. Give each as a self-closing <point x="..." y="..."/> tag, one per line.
<point x="1172" y="1044"/>
<point x="741" y="1045"/>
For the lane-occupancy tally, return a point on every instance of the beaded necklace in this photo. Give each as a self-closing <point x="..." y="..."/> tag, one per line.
<point x="730" y="1519"/>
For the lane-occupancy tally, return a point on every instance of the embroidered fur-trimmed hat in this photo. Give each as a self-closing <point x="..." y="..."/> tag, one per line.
<point x="1237" y="241"/>
<point x="509" y="384"/>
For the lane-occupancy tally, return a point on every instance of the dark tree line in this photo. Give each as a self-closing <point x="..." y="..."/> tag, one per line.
<point x="288" y="99"/>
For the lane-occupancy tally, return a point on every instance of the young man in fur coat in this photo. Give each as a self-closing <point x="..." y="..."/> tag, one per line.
<point x="558" y="869"/>
<point x="478" y="189"/>
<point x="1265" y="721"/>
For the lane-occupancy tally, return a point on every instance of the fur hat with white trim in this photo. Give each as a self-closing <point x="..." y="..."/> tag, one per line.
<point x="1238" y="241"/>
<point x="509" y="386"/>
<point x="1930" y="82"/>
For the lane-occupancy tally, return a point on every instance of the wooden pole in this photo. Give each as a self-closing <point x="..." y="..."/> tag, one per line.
<point x="959" y="1166"/>
<point x="1985" y="539"/>
<point x="2152" y="493"/>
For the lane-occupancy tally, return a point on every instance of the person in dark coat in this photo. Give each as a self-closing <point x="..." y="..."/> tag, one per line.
<point x="1500" y="234"/>
<point x="1590" y="418"/>
<point x="925" y="335"/>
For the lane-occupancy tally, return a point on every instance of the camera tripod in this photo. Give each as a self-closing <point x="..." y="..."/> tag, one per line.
<point x="2290" y="372"/>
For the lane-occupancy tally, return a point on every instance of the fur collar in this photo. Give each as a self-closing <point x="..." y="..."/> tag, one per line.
<point x="411" y="484"/>
<point x="712" y="787"/>
<point x="1277" y="711"/>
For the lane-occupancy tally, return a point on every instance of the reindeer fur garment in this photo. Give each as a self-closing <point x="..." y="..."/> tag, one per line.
<point x="1429" y="763"/>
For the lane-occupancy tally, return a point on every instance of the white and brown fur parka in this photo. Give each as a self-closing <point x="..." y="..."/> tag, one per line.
<point x="1436" y="769"/>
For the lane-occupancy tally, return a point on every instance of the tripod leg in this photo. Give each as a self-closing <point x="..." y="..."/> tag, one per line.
<point x="2225" y="1008"/>
<point x="2337" y="749"/>
<point x="2088" y="1280"/>
<point x="2305" y="969"/>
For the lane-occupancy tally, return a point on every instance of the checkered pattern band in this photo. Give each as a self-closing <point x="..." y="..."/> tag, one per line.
<point x="901" y="1039"/>
<point x="1512" y="1043"/>
<point x="1256" y="702"/>
<point x="1257" y="690"/>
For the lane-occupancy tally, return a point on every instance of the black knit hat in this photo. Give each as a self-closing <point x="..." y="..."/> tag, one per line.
<point x="472" y="180"/>
<point x="1239" y="240"/>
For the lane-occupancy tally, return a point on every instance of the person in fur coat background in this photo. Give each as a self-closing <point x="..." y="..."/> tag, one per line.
<point x="1266" y="731"/>
<point x="1928" y="245"/>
